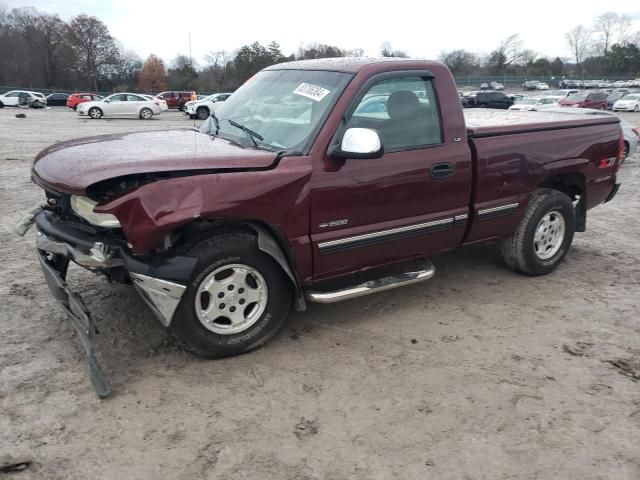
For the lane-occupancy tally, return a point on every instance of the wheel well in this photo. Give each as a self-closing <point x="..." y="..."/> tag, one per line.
<point x="572" y="184"/>
<point x="270" y="240"/>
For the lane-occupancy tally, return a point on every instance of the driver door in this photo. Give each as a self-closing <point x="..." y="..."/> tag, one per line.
<point x="411" y="202"/>
<point x="116" y="106"/>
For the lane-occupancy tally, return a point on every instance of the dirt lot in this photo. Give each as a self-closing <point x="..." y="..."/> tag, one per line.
<point x="479" y="374"/>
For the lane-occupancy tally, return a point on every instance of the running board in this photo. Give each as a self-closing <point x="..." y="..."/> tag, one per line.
<point x="420" y="273"/>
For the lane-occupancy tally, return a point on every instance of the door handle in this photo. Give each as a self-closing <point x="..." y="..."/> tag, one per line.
<point x="442" y="170"/>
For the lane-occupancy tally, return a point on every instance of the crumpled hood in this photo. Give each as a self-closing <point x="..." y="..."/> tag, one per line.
<point x="75" y="165"/>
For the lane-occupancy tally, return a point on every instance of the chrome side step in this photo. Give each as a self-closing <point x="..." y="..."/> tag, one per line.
<point x="423" y="272"/>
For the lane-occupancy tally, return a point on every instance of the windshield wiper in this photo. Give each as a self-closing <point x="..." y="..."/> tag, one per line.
<point x="250" y="133"/>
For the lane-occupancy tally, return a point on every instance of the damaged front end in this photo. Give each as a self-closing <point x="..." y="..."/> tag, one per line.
<point x="62" y="236"/>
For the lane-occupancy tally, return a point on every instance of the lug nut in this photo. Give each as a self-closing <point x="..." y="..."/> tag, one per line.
<point x="222" y="305"/>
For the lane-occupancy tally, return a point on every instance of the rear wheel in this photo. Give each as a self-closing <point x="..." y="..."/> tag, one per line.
<point x="1" y="105"/>
<point x="146" y="113"/>
<point x="237" y="300"/>
<point x="544" y="235"/>
<point x="95" y="113"/>
<point x="202" y="113"/>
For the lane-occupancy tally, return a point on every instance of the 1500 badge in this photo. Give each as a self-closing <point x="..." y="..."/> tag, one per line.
<point x="334" y="223"/>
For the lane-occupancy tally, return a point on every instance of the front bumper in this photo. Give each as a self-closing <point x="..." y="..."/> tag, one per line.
<point x="160" y="279"/>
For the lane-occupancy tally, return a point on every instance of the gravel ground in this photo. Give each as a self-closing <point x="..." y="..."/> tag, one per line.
<point x="479" y="374"/>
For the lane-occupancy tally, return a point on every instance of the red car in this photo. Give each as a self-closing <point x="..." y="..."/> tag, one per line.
<point x="175" y="99"/>
<point x="595" y="100"/>
<point x="76" y="99"/>
<point x="306" y="190"/>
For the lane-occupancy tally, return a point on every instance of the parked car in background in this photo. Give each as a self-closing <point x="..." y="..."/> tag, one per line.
<point x="76" y="99"/>
<point x="560" y="94"/>
<point x="631" y="134"/>
<point x="615" y="96"/>
<point x="515" y="96"/>
<point x="22" y="98"/>
<point x="496" y="86"/>
<point x="542" y="86"/>
<point x="120" y="105"/>
<point x="175" y="99"/>
<point x="158" y="101"/>
<point x="57" y="99"/>
<point x="595" y="100"/>
<point x="201" y="109"/>
<point x="489" y="100"/>
<point x="530" y="85"/>
<point x="629" y="103"/>
<point x="533" y="104"/>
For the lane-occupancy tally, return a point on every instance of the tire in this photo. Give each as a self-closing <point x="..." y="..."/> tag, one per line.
<point x="1" y="105"/>
<point x="214" y="338"/>
<point x="146" y="114"/>
<point x="533" y="251"/>
<point x="202" y="113"/>
<point x="95" y="113"/>
<point x="636" y="109"/>
<point x="625" y="150"/>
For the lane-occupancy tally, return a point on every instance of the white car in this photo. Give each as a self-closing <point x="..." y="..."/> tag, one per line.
<point x="560" y="94"/>
<point x="532" y="104"/>
<point x="120" y="105"/>
<point x="161" y="102"/>
<point x="23" y="98"/>
<point x="629" y="103"/>
<point x="542" y="86"/>
<point x="201" y="109"/>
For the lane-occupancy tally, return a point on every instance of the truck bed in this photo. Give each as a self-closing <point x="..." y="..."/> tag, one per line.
<point x="491" y="122"/>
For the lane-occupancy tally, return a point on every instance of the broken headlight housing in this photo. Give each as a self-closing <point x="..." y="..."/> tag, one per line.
<point x="83" y="207"/>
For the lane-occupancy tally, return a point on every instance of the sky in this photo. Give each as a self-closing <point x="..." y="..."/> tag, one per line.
<point x="423" y="29"/>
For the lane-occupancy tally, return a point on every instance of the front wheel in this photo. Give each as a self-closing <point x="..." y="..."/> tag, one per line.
<point x="95" y="113"/>
<point x="202" y="113"/>
<point x="237" y="300"/>
<point x="146" y="113"/>
<point x="544" y="235"/>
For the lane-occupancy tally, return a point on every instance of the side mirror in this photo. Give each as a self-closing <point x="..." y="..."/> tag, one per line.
<point x="359" y="143"/>
<point x="108" y="100"/>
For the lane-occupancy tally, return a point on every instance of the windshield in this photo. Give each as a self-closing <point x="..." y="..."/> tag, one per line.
<point x="528" y="101"/>
<point x="578" y="97"/>
<point x="284" y="107"/>
<point x="633" y="96"/>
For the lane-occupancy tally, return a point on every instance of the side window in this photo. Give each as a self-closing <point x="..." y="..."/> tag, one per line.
<point x="119" y="98"/>
<point x="13" y="94"/>
<point x="134" y="98"/>
<point x="403" y="110"/>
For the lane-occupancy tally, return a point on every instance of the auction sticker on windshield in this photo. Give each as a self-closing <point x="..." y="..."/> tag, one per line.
<point x="313" y="92"/>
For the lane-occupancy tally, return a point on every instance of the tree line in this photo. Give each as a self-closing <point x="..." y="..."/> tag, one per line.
<point x="607" y="48"/>
<point x="40" y="50"/>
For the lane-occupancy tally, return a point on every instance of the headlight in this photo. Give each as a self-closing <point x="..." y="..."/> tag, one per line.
<point x="83" y="207"/>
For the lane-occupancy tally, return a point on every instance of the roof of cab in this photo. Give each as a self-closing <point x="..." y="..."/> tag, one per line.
<point x="347" y="64"/>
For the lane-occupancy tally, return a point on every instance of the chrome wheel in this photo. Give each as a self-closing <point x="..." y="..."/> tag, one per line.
<point x="95" y="113"/>
<point x="231" y="299"/>
<point x="549" y="235"/>
<point x="146" y="114"/>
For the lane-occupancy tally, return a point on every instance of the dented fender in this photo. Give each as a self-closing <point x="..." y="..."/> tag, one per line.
<point x="278" y="197"/>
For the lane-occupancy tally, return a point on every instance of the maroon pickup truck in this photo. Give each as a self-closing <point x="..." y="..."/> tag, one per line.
<point x="317" y="181"/>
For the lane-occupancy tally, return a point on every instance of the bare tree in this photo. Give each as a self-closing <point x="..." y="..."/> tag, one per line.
<point x="386" y="50"/>
<point x="579" y="40"/>
<point x="611" y="28"/>
<point x="460" y="62"/>
<point x="509" y="52"/>
<point x="95" y="49"/>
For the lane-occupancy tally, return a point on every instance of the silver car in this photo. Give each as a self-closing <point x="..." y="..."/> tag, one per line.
<point x="630" y="132"/>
